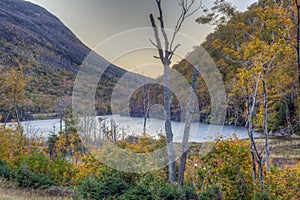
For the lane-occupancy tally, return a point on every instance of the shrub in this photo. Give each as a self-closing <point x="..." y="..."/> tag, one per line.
<point x="170" y="192"/>
<point x="283" y="183"/>
<point x="110" y="187"/>
<point x="140" y="192"/>
<point x="158" y="191"/>
<point x="89" y="188"/>
<point x="60" y="170"/>
<point x="228" y="166"/>
<point x="38" y="163"/>
<point x="5" y="172"/>
<point x="213" y="193"/>
<point x="28" y="179"/>
<point x="263" y="196"/>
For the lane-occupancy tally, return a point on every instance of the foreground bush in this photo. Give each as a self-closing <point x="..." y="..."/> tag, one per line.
<point x="283" y="183"/>
<point x="14" y="145"/>
<point x="115" y="187"/>
<point x="5" y="172"/>
<point x="59" y="170"/>
<point x="28" y="179"/>
<point x="92" y="188"/>
<point x="225" y="170"/>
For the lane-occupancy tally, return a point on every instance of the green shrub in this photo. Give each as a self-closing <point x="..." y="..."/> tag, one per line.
<point x="263" y="196"/>
<point x="163" y="191"/>
<point x="5" y="172"/>
<point x="213" y="193"/>
<point x="28" y="179"/>
<point x="170" y="192"/>
<point x="110" y="187"/>
<point x="60" y="170"/>
<point x="38" y="163"/>
<point x="140" y="192"/>
<point x="113" y="186"/>
<point x="89" y="188"/>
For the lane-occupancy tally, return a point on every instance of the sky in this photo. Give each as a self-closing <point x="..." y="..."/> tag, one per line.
<point x="96" y="22"/>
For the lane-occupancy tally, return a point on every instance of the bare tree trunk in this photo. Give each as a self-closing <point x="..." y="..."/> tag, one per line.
<point x="145" y="113"/>
<point x="253" y="164"/>
<point x="288" y="117"/>
<point x="15" y="108"/>
<point x="260" y="162"/>
<point x="187" y="127"/>
<point x="167" y="105"/>
<point x="168" y="127"/>
<point x="146" y="106"/>
<point x="60" y="122"/>
<point x="145" y="124"/>
<point x="253" y="149"/>
<point x="267" y="145"/>
<point x="165" y="55"/>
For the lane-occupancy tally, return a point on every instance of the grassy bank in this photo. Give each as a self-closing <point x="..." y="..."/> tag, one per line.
<point x="10" y="191"/>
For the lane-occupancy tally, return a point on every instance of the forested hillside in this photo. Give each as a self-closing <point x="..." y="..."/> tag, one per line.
<point x="41" y="56"/>
<point x="256" y="47"/>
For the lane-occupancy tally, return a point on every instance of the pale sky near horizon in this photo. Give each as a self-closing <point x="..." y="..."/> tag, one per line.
<point x="95" y="21"/>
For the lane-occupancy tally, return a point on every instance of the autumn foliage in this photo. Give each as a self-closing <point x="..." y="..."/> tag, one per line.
<point x="225" y="172"/>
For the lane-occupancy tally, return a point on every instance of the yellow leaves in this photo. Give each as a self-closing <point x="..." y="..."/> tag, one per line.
<point x="232" y="53"/>
<point x="13" y="85"/>
<point x="15" y="146"/>
<point x="227" y="166"/>
<point x="260" y="117"/>
<point x="284" y="182"/>
<point x="217" y="43"/>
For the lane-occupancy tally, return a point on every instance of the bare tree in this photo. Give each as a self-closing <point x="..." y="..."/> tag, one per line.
<point x="187" y="127"/>
<point x="146" y="105"/>
<point x="265" y="105"/>
<point x="257" y="156"/>
<point x="165" y="55"/>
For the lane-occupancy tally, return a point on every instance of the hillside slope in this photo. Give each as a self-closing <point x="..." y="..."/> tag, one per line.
<point x="50" y="54"/>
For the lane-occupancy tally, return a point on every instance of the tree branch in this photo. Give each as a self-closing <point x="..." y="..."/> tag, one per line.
<point x="155" y="29"/>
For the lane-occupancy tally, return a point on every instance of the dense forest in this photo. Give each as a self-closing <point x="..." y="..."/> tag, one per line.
<point x="259" y="45"/>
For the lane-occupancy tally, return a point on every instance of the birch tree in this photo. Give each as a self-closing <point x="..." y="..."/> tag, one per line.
<point x="166" y="47"/>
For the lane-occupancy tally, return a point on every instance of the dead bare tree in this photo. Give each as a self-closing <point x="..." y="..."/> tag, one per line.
<point x="146" y="105"/>
<point x="187" y="128"/>
<point x="165" y="55"/>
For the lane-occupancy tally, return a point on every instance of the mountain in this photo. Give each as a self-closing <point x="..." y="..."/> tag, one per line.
<point x="50" y="54"/>
<point x="32" y="33"/>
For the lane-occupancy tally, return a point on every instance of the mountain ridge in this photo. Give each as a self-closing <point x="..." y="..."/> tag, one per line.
<point x="50" y="54"/>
